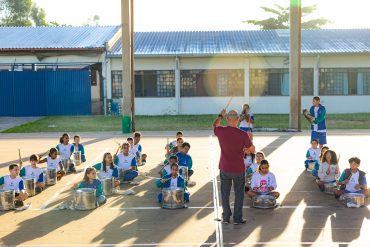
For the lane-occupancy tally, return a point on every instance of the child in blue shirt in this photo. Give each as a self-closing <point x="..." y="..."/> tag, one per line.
<point x="90" y="181"/>
<point x="173" y="181"/>
<point x="352" y="180"/>
<point x="32" y="171"/>
<point x="313" y="155"/>
<point x="76" y="146"/>
<point x="184" y="159"/>
<point x="14" y="182"/>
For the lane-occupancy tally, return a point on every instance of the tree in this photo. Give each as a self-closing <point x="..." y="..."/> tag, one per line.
<point x="22" y="13"/>
<point x="281" y="18"/>
<point x="92" y="21"/>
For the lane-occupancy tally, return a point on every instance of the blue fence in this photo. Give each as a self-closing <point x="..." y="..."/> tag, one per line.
<point x="45" y="93"/>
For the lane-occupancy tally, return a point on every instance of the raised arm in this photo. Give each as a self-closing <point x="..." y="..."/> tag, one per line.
<point x="220" y="116"/>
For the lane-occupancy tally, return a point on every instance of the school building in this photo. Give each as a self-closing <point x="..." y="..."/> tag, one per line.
<point x="192" y="72"/>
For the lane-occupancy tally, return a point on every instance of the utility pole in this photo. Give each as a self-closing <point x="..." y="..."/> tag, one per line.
<point x="295" y="65"/>
<point x="127" y="65"/>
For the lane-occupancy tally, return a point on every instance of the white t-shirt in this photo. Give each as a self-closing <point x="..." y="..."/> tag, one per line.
<point x="173" y="183"/>
<point x="332" y="175"/>
<point x="315" y="153"/>
<point x="316" y="110"/>
<point x="244" y="123"/>
<point x="64" y="151"/>
<point x="12" y="183"/>
<point x="254" y="167"/>
<point x="263" y="182"/>
<point x="53" y="164"/>
<point x="353" y="181"/>
<point x="125" y="162"/>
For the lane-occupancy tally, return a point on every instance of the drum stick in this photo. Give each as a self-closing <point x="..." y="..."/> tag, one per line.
<point x="19" y="158"/>
<point x="229" y="102"/>
<point x="118" y="149"/>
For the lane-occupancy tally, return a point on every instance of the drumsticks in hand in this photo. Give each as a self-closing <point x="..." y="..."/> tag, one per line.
<point x="19" y="159"/>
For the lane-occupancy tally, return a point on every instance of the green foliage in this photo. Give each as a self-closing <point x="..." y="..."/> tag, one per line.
<point x="280" y="19"/>
<point x="22" y="13"/>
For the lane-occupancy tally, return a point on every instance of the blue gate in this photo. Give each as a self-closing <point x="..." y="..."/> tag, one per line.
<point x="45" y="93"/>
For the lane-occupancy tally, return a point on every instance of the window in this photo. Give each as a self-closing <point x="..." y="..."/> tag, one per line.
<point x="275" y="82"/>
<point x="198" y="83"/>
<point x="155" y="83"/>
<point x="117" y="89"/>
<point x="344" y="81"/>
<point x="148" y="83"/>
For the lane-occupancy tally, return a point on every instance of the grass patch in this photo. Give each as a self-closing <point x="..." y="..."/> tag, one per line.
<point x="180" y="122"/>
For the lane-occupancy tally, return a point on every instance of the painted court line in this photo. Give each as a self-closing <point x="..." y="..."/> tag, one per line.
<point x="216" y="201"/>
<point x="70" y="182"/>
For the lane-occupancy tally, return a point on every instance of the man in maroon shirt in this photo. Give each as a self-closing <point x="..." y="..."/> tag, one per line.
<point x="232" y="141"/>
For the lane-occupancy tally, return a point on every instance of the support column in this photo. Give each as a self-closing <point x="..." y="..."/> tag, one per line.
<point x="126" y="65"/>
<point x="295" y="65"/>
<point x="109" y="78"/>
<point x="177" y="86"/>
<point x="316" y="76"/>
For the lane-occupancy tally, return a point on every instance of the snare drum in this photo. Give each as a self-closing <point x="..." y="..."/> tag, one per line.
<point x="184" y="173"/>
<point x="77" y="158"/>
<point x="50" y="176"/>
<point x="30" y="186"/>
<point x="330" y="187"/>
<point x="248" y="181"/>
<point x="85" y="199"/>
<point x="311" y="166"/>
<point x="264" y="201"/>
<point x="353" y="199"/>
<point x="173" y="198"/>
<point x="66" y="164"/>
<point x="7" y="198"/>
<point x="108" y="185"/>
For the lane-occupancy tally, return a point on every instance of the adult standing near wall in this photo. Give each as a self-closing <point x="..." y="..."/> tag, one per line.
<point x="232" y="142"/>
<point x="318" y="121"/>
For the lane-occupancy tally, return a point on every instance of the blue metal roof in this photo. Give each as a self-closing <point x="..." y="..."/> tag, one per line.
<point x="14" y="38"/>
<point x="250" y="42"/>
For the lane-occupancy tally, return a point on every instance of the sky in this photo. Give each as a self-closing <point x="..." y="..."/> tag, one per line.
<point x="191" y="15"/>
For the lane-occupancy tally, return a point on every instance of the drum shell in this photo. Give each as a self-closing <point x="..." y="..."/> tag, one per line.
<point x="311" y="166"/>
<point x="50" y="176"/>
<point x="173" y="198"/>
<point x="248" y="181"/>
<point x="66" y="164"/>
<point x="184" y="172"/>
<point x="108" y="185"/>
<point x="356" y="198"/>
<point x="30" y="186"/>
<point x="264" y="201"/>
<point x="329" y="188"/>
<point x="77" y="158"/>
<point x="7" y="198"/>
<point x="85" y="199"/>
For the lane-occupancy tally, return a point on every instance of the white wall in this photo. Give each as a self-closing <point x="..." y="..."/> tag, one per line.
<point x="155" y="106"/>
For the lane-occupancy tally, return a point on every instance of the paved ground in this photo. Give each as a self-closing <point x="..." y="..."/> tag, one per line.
<point x="306" y="217"/>
<point x="10" y="122"/>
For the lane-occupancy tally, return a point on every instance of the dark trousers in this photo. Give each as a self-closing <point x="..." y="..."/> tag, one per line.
<point x="227" y="179"/>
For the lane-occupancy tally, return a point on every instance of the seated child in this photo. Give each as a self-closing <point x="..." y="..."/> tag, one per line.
<point x="352" y="180"/>
<point x="53" y="162"/>
<point x="142" y="157"/>
<point x="107" y="169"/>
<point x="173" y="181"/>
<point x="167" y="168"/>
<point x="14" y="182"/>
<point x="32" y="171"/>
<point x="315" y="172"/>
<point x="134" y="151"/>
<point x="173" y="143"/>
<point x="248" y="159"/>
<point x="126" y="164"/>
<point x="329" y="169"/>
<point x="263" y="182"/>
<point x="64" y="151"/>
<point x="313" y="155"/>
<point x="254" y="166"/>
<point x="90" y="181"/>
<point x="76" y="146"/>
<point x="184" y="159"/>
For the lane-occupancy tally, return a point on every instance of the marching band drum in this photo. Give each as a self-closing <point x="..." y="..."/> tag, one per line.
<point x="85" y="199"/>
<point x="7" y="198"/>
<point x="30" y="186"/>
<point x="173" y="198"/>
<point x="264" y="201"/>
